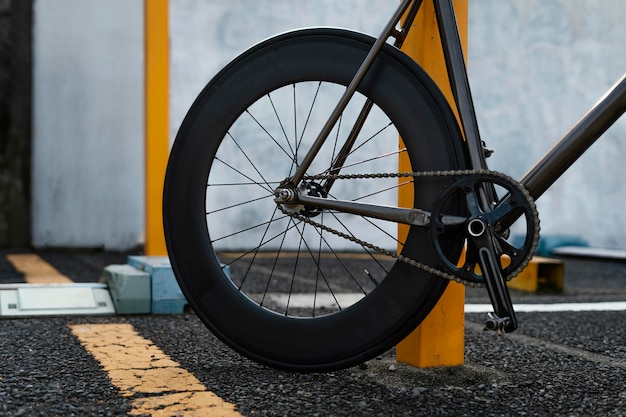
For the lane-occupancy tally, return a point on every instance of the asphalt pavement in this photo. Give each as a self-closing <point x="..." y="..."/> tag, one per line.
<point x="561" y="363"/>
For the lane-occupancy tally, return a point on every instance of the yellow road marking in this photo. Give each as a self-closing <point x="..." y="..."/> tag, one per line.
<point x="157" y="385"/>
<point x="36" y="270"/>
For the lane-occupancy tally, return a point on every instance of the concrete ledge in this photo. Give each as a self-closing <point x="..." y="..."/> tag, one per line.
<point x="541" y="275"/>
<point x="146" y="284"/>
<point x="129" y="288"/>
<point x="166" y="296"/>
<point x="597" y="253"/>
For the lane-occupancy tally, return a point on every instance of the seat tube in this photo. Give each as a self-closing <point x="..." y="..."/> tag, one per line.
<point x="459" y="82"/>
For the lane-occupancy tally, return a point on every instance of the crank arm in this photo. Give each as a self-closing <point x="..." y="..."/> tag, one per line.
<point x="503" y="319"/>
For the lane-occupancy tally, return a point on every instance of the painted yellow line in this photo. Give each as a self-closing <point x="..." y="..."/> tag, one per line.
<point x="157" y="385"/>
<point x="36" y="270"/>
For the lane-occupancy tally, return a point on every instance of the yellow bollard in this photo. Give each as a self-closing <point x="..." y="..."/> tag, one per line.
<point x="439" y="340"/>
<point x="156" y="120"/>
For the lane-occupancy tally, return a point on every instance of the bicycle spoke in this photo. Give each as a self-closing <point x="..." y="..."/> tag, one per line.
<point x="370" y="138"/>
<point x="295" y="272"/>
<point x="367" y="250"/>
<point x="319" y="274"/>
<point x="282" y="128"/>
<point x="261" y="244"/>
<point x="269" y="135"/>
<point x="271" y="274"/>
<point x="243" y="203"/>
<point x="268" y="188"/>
<point x="247" y="229"/>
<point x="371" y="159"/>
<point x="310" y="112"/>
<point x="248" y="158"/>
<point x="341" y="262"/>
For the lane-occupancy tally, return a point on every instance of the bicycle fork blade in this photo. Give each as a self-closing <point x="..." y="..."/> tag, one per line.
<point x="503" y="319"/>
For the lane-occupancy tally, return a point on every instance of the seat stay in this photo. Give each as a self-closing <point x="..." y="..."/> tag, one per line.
<point x="388" y="31"/>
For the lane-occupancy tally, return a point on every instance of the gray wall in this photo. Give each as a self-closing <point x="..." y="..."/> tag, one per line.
<point x="88" y="124"/>
<point x="536" y="66"/>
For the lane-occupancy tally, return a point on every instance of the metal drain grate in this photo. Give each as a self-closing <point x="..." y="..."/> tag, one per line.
<point x="22" y="300"/>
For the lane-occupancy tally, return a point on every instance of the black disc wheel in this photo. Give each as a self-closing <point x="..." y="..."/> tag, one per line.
<point x="279" y="289"/>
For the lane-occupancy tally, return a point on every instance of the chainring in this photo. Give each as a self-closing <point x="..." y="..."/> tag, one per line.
<point x="514" y="207"/>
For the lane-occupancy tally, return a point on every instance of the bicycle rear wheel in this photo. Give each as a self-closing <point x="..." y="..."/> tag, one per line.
<point x="281" y="291"/>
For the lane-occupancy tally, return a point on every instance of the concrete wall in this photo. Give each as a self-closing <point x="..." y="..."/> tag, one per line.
<point x="205" y="36"/>
<point x="536" y="66"/>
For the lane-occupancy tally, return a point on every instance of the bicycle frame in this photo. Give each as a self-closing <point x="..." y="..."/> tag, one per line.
<point x="536" y="181"/>
<point x="539" y="178"/>
<point x="247" y="244"/>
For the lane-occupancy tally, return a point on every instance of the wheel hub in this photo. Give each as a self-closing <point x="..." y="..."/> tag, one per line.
<point x="287" y="197"/>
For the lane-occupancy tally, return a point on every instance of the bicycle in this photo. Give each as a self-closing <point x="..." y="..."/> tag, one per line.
<point x="265" y="245"/>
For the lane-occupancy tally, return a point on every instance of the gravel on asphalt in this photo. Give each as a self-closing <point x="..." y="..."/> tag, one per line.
<point x="556" y="364"/>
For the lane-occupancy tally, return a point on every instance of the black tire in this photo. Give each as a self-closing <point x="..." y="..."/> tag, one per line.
<point x="243" y="264"/>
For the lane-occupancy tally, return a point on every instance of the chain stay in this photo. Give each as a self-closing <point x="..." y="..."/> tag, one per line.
<point x="420" y="174"/>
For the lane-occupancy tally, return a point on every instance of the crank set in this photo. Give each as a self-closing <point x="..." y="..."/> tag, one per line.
<point x="515" y="207"/>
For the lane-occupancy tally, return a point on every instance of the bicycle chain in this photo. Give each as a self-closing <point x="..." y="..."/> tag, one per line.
<point x="422" y="174"/>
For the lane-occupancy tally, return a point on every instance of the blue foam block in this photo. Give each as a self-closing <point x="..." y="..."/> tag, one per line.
<point x="548" y="243"/>
<point x="167" y="298"/>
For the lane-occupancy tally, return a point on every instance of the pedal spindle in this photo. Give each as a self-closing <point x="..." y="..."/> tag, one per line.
<point x="497" y="324"/>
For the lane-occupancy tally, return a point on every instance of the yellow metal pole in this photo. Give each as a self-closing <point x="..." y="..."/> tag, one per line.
<point x="439" y="340"/>
<point x="156" y="31"/>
